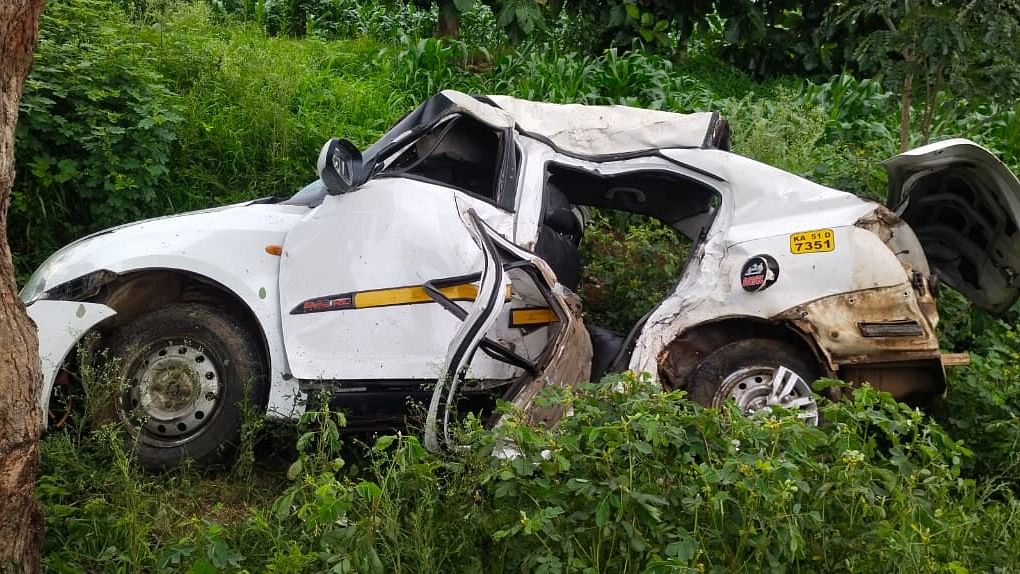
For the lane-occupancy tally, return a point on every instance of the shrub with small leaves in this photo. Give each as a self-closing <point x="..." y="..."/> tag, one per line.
<point x="96" y="129"/>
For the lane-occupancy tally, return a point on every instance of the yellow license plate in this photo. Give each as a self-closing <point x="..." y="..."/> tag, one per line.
<point x="815" y="241"/>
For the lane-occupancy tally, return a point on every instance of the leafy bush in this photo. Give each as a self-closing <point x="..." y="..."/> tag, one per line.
<point x="258" y="109"/>
<point x="636" y="480"/>
<point x="630" y="264"/>
<point x="331" y="18"/>
<point x="96" y="131"/>
<point x="982" y="405"/>
<point x="786" y="131"/>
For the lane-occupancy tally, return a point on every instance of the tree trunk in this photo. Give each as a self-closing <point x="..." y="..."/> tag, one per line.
<point x="21" y="520"/>
<point x="908" y="85"/>
<point x="449" y="20"/>
<point x="931" y="103"/>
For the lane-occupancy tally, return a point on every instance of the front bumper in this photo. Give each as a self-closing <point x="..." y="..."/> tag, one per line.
<point x="61" y="324"/>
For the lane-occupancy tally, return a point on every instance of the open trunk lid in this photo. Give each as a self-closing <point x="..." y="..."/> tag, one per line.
<point x="964" y="205"/>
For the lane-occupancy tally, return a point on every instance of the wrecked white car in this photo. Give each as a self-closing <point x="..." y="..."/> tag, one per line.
<point x="458" y="232"/>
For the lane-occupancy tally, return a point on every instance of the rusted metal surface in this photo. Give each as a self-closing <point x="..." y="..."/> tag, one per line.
<point x="135" y="294"/>
<point x="908" y="380"/>
<point x="834" y="322"/>
<point x="685" y="352"/>
<point x="569" y="365"/>
<point x="955" y="359"/>
<point x="681" y="356"/>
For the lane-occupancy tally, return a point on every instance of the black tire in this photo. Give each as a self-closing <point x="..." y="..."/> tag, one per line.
<point x="189" y="364"/>
<point x="742" y="363"/>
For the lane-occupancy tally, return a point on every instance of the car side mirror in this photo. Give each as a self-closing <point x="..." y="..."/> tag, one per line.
<point x="340" y="166"/>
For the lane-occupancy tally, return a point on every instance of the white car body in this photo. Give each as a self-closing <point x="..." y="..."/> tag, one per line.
<point x="333" y="281"/>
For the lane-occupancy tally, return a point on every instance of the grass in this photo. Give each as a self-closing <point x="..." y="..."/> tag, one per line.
<point x="635" y="481"/>
<point x="253" y="128"/>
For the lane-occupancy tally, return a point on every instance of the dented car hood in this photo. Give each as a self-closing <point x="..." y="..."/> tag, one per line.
<point x="964" y="205"/>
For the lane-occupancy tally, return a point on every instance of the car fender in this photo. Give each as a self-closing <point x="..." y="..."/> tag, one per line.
<point x="64" y="324"/>
<point x="232" y="247"/>
<point x="710" y="287"/>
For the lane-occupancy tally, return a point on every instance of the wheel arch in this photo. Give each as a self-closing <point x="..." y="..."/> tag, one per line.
<point x="138" y="291"/>
<point x="679" y="358"/>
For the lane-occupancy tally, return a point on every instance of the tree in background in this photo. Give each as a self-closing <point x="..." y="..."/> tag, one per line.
<point x="922" y="47"/>
<point x="762" y="37"/>
<point x="520" y="18"/>
<point x="448" y="22"/>
<point x="21" y="526"/>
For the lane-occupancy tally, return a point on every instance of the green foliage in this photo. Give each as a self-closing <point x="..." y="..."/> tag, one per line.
<point x="636" y="480"/>
<point x="331" y="18"/>
<point x="257" y="110"/>
<point x="96" y="132"/>
<point x="765" y="38"/>
<point x="856" y="111"/>
<point x="630" y="265"/>
<point x="162" y="106"/>
<point x="794" y="133"/>
<point x="921" y="48"/>
<point x="982" y="405"/>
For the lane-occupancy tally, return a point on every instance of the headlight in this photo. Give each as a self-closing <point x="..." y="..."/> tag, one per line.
<point x="77" y="289"/>
<point x="31" y="291"/>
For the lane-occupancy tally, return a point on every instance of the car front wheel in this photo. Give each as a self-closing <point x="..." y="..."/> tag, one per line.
<point x="757" y="374"/>
<point x="186" y="368"/>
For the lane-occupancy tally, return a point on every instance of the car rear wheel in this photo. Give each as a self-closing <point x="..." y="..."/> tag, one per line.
<point x="757" y="374"/>
<point x="185" y="369"/>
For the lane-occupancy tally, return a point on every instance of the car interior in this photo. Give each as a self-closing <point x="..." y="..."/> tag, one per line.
<point x="669" y="197"/>
<point x="462" y="152"/>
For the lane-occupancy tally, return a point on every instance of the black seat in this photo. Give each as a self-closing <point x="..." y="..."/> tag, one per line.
<point x="611" y="350"/>
<point x="559" y="237"/>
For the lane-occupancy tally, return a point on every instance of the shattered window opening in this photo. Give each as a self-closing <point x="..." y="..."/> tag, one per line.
<point x="633" y="250"/>
<point x="462" y="153"/>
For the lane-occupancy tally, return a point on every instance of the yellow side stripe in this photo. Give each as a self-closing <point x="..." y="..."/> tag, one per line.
<point x="412" y="295"/>
<point x="531" y="317"/>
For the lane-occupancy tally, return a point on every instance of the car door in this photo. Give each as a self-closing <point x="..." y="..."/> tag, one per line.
<point x="964" y="205"/>
<point x="539" y="307"/>
<point x="354" y="272"/>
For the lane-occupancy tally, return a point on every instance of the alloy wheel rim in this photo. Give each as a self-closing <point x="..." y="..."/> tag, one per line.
<point x="758" y="388"/>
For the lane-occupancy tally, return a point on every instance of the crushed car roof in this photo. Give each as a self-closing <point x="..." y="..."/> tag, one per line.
<point x="574" y="129"/>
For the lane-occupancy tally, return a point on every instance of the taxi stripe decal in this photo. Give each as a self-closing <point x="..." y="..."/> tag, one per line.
<point x="410" y="296"/>
<point x="389" y="297"/>
<point x="532" y="317"/>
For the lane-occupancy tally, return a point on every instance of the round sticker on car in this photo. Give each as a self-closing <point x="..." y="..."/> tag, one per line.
<point x="759" y="273"/>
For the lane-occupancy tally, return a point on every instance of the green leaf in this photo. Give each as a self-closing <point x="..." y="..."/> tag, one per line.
<point x="202" y="566"/>
<point x="632" y="11"/>
<point x="383" y="442"/>
<point x="295" y="469"/>
<point x="284" y="505"/>
<point x="602" y="512"/>
<point x="684" y="549"/>
<point x="369" y="490"/>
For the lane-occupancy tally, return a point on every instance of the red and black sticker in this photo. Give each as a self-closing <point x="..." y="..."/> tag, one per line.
<point x="326" y="303"/>
<point x="759" y="273"/>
